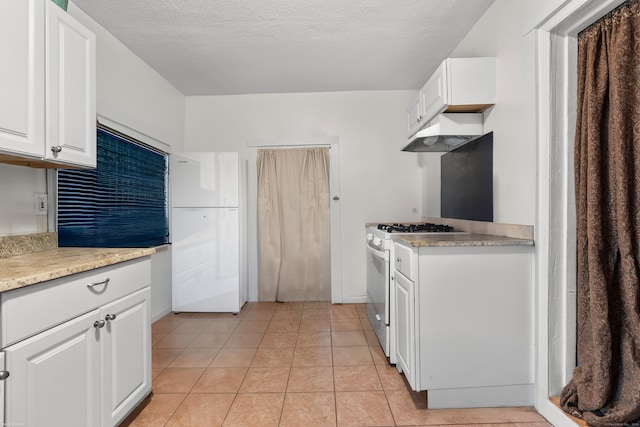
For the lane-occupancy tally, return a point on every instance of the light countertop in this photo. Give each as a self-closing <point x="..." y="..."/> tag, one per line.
<point x="30" y="269"/>
<point x="452" y="240"/>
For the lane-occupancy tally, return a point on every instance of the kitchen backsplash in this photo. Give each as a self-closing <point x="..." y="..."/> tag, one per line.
<point x="27" y="244"/>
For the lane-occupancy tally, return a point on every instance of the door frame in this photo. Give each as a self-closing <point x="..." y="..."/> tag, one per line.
<point x="556" y="86"/>
<point x="334" y="191"/>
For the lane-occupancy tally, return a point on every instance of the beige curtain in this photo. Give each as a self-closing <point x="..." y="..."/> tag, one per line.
<point x="605" y="388"/>
<point x="294" y="225"/>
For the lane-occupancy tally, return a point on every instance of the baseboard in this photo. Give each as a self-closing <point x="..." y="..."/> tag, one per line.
<point x="157" y="316"/>
<point x="354" y="300"/>
<point x="481" y="397"/>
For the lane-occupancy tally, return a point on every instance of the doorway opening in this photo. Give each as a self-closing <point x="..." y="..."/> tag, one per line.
<point x="330" y="143"/>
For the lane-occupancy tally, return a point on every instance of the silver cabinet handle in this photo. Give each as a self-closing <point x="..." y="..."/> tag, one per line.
<point x="56" y="149"/>
<point x="99" y="324"/>
<point x="105" y="282"/>
<point x="110" y="317"/>
<point x="4" y="375"/>
<point x="399" y="259"/>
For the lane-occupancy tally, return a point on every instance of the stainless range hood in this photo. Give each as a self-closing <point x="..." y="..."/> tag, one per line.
<point x="446" y="132"/>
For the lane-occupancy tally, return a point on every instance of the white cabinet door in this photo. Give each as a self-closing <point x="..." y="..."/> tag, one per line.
<point x="204" y="179"/>
<point x="405" y="327"/>
<point x="415" y="114"/>
<point x="54" y="376"/>
<point x="22" y="77"/>
<point x="126" y="352"/>
<point x="436" y="93"/>
<point x="70" y="90"/>
<point x="2" y="380"/>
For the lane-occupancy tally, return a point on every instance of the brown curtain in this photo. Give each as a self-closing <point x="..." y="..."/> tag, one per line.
<point x="605" y="388"/>
<point x="294" y="225"/>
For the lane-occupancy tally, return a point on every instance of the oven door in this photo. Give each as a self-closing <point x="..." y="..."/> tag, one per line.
<point x="378" y="281"/>
<point x="378" y="307"/>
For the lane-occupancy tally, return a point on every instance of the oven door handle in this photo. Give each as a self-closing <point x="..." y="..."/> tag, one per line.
<point x="383" y="255"/>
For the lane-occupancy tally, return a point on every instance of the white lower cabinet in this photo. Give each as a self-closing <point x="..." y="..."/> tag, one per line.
<point x="90" y="370"/>
<point x="55" y="376"/>
<point x="464" y="324"/>
<point x="126" y="355"/>
<point x="405" y="324"/>
<point x="3" y="374"/>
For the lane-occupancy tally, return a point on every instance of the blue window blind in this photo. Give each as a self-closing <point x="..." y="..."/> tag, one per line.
<point x="122" y="203"/>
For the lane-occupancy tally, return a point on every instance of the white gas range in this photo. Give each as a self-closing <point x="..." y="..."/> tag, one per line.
<point x="380" y="299"/>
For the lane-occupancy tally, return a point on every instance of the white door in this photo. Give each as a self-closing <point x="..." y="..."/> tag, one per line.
<point x="2" y="380"/>
<point x="405" y="327"/>
<point x="126" y="353"/>
<point x="55" y="376"/>
<point x="22" y="83"/>
<point x="205" y="259"/>
<point x="70" y="89"/>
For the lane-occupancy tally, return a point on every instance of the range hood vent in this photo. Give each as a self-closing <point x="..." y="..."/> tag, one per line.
<point x="446" y="132"/>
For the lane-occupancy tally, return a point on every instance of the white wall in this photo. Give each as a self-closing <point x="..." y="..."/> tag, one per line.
<point x="499" y="33"/>
<point x="134" y="99"/>
<point x="535" y="11"/>
<point x="17" y="185"/>
<point x="161" y="282"/>
<point x="378" y="182"/>
<point x="132" y="94"/>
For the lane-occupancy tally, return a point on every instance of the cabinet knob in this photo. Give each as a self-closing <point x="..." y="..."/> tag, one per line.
<point x="4" y="375"/>
<point x="99" y="324"/>
<point x="110" y="317"/>
<point x="56" y="149"/>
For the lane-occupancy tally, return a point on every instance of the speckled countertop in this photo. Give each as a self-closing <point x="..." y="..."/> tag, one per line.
<point x="30" y="269"/>
<point x="451" y="240"/>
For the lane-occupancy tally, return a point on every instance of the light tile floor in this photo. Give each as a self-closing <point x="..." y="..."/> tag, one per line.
<point x="288" y="364"/>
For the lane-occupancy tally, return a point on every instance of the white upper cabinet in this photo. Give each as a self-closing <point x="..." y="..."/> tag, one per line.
<point x="459" y="85"/>
<point x="22" y="77"/>
<point x="48" y="107"/>
<point x="415" y="113"/>
<point x="71" y="90"/>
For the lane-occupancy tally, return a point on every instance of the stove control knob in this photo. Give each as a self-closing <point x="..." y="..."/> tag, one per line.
<point x="369" y="237"/>
<point x="377" y="241"/>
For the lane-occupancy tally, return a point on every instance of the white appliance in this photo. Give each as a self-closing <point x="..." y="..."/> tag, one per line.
<point x="446" y="132"/>
<point x="207" y="232"/>
<point x="380" y="303"/>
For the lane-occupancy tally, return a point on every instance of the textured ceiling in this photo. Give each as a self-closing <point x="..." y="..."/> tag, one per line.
<point x="222" y="47"/>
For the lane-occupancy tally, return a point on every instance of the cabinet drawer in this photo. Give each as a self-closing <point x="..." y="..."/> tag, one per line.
<point x="403" y="260"/>
<point x="27" y="311"/>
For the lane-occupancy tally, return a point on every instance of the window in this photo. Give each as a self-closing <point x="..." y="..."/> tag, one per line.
<point x="121" y="203"/>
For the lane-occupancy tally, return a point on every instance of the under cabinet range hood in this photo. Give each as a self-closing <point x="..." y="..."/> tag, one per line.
<point x="446" y="132"/>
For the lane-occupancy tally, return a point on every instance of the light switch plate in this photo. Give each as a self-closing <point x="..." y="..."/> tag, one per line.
<point x="40" y="203"/>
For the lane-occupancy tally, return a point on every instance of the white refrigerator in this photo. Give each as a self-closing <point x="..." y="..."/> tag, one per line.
<point x="207" y="232"/>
